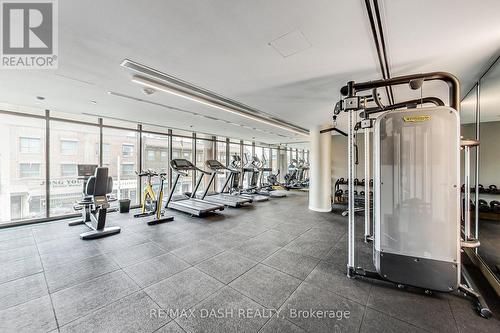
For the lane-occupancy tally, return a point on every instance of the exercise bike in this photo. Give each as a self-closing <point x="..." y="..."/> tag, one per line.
<point x="151" y="203"/>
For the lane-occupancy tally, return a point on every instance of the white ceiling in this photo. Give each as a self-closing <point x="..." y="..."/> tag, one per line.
<point x="223" y="46"/>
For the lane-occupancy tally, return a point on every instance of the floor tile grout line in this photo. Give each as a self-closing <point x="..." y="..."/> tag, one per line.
<point x="22" y="277"/>
<point x="46" y="283"/>
<point x="397" y="318"/>
<point x="298" y="286"/>
<point x="85" y="281"/>
<point x="453" y="315"/>
<point x="141" y="289"/>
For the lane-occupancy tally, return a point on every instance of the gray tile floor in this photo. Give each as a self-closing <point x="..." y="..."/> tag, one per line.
<point x="229" y="272"/>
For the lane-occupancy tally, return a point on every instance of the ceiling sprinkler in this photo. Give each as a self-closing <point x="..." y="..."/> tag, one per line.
<point x="148" y="91"/>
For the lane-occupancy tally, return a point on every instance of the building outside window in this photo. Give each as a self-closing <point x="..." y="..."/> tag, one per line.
<point x="29" y="145"/>
<point x="69" y="147"/>
<point x="204" y="152"/>
<point x="29" y="170"/>
<point x="119" y="150"/>
<point x="183" y="148"/>
<point x="127" y="150"/>
<point x="69" y="170"/>
<point x="221" y="157"/>
<point x="150" y="155"/>
<point x="164" y="156"/>
<point x="155" y="147"/>
<point x="128" y="169"/>
<point x="79" y="141"/>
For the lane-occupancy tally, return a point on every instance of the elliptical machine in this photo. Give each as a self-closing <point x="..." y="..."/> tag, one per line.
<point x="264" y="187"/>
<point x="250" y="190"/>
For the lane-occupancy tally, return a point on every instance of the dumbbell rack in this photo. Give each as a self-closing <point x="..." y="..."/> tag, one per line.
<point x="343" y="197"/>
<point x="487" y="211"/>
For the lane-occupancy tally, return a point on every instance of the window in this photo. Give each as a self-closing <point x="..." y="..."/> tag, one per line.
<point x="274" y="160"/>
<point x="247" y="153"/>
<point x="22" y="190"/>
<point x="204" y="152"/>
<point x="115" y="142"/>
<point x="150" y="155"/>
<point x="265" y="157"/>
<point x="127" y="150"/>
<point x="106" y="152"/>
<point x="29" y="170"/>
<point x="68" y="170"/>
<point x="234" y="150"/>
<point x="69" y="147"/>
<point x="183" y="148"/>
<point x="155" y="147"/>
<point x="30" y="145"/>
<point x="65" y="187"/>
<point x="164" y="156"/>
<point x="128" y="169"/>
<point x="221" y="157"/>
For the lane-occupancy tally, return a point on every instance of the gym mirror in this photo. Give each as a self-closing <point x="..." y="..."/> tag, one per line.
<point x="489" y="175"/>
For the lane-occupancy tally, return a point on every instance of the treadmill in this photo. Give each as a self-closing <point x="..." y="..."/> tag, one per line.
<point x="190" y="205"/>
<point x="226" y="199"/>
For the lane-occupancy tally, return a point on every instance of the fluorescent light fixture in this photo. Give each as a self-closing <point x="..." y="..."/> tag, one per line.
<point x="157" y="80"/>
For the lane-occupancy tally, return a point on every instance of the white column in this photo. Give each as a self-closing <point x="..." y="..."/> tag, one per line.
<point x="320" y="181"/>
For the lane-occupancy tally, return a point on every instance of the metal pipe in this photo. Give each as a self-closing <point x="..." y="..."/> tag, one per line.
<point x="367" y="185"/>
<point x="476" y="206"/>
<point x="350" y="175"/>
<point x="467" y="193"/>
<point x="450" y="79"/>
<point x="47" y="163"/>
<point x="351" y="236"/>
<point x="377" y="45"/>
<point x="382" y="43"/>
<point x="434" y="100"/>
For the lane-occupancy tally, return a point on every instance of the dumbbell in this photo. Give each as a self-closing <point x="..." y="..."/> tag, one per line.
<point x="371" y="182"/>
<point x="362" y="193"/>
<point x="481" y="188"/>
<point x="483" y="205"/>
<point x="356" y="181"/>
<point x="495" y="206"/>
<point x="339" y="193"/>
<point x="493" y="189"/>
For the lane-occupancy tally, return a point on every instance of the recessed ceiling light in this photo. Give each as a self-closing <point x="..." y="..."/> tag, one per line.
<point x="40" y="98"/>
<point x="93" y="102"/>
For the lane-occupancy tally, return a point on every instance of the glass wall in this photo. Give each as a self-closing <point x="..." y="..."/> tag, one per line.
<point x="274" y="160"/>
<point x="247" y="152"/>
<point x="182" y="147"/>
<point x="204" y="152"/>
<point x="22" y="168"/>
<point x="76" y="139"/>
<point x="155" y="157"/>
<point x="120" y="155"/>
<point x="258" y="152"/>
<point x="266" y="159"/>
<point x="70" y="144"/>
<point x="234" y="149"/>
<point x="221" y="157"/>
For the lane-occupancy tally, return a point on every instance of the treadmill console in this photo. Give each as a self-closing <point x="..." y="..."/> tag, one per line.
<point x="181" y="164"/>
<point x="214" y="164"/>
